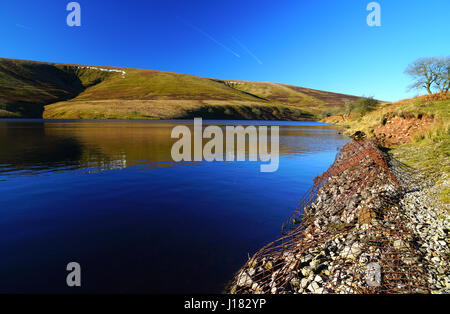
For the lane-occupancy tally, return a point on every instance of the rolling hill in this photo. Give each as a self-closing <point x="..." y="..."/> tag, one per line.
<point x="32" y="89"/>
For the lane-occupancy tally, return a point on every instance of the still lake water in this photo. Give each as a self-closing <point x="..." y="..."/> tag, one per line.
<point x="106" y="194"/>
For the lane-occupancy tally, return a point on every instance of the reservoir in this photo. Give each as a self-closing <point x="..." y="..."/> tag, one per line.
<point x="107" y="195"/>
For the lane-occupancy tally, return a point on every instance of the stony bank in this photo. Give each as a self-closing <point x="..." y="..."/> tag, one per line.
<point x="370" y="224"/>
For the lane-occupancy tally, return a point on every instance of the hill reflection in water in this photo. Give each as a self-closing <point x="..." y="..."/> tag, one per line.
<point x="34" y="146"/>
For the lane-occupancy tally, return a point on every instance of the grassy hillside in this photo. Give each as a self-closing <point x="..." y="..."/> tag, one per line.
<point x="313" y="100"/>
<point x="417" y="130"/>
<point x="26" y="86"/>
<point x="36" y="89"/>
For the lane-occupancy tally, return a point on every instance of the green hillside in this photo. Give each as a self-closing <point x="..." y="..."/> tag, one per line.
<point x="63" y="91"/>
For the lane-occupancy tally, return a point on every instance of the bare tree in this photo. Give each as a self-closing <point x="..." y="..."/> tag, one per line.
<point x="443" y="79"/>
<point x="430" y="74"/>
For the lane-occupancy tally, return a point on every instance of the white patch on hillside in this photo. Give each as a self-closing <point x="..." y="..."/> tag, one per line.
<point x="105" y="70"/>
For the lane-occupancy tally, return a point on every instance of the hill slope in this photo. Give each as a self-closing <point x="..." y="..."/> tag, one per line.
<point x="51" y="90"/>
<point x="418" y="132"/>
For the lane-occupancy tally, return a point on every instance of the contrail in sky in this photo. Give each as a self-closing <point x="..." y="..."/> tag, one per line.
<point x="23" y="26"/>
<point x="248" y="50"/>
<point x="210" y="37"/>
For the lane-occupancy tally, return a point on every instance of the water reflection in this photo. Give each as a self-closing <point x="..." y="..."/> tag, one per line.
<point x="40" y="146"/>
<point x="182" y="229"/>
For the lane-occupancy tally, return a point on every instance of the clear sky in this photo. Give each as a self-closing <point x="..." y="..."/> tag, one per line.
<point x="321" y="44"/>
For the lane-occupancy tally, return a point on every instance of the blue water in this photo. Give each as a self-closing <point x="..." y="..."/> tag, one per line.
<point x="106" y="195"/>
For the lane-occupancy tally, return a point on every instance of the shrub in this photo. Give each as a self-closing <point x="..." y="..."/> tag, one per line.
<point x="228" y="112"/>
<point x="365" y="105"/>
<point x="256" y="111"/>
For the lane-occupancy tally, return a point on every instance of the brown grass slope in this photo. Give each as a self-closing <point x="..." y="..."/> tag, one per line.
<point x="65" y="91"/>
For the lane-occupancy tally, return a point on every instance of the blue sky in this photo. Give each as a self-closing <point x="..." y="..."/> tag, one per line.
<point x="321" y="44"/>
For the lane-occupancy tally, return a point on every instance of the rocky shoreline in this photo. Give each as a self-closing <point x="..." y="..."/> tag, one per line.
<point x="430" y="220"/>
<point x="371" y="227"/>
